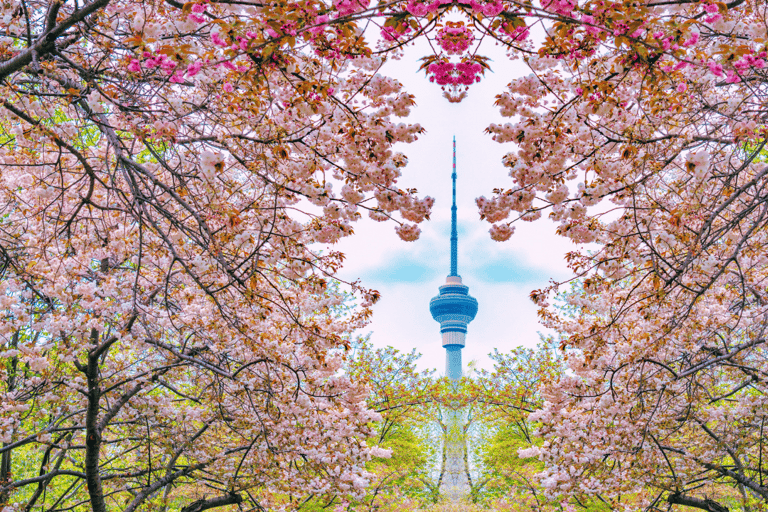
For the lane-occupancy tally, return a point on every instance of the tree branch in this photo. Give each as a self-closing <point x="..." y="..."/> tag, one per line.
<point x="45" y="43"/>
<point x="200" y="505"/>
<point x="706" y="504"/>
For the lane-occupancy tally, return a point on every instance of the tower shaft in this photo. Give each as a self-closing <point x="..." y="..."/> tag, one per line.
<point x="454" y="230"/>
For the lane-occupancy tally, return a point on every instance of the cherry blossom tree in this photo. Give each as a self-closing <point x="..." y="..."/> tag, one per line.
<point x="506" y="397"/>
<point x="407" y="400"/>
<point x="170" y="335"/>
<point x="168" y="172"/>
<point x="641" y="131"/>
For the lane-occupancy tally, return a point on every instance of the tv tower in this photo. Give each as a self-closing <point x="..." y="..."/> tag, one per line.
<point x="454" y="308"/>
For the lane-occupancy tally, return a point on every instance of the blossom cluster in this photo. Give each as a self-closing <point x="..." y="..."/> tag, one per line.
<point x="396" y="32"/>
<point x="422" y="7"/>
<point x="516" y="33"/>
<point x="455" y="74"/>
<point x="347" y="7"/>
<point x="455" y="38"/>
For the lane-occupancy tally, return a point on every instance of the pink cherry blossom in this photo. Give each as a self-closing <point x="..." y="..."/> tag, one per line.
<point x="194" y="68"/>
<point x="501" y="232"/>
<point x="715" y="68"/>
<point x="408" y="232"/>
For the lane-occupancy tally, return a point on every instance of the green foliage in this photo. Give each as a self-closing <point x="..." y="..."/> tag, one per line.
<point x="505" y="399"/>
<point x="403" y="397"/>
<point x="504" y="474"/>
<point x="407" y="471"/>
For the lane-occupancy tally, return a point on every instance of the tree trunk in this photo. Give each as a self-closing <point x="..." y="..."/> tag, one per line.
<point x="5" y="461"/>
<point x="92" y="432"/>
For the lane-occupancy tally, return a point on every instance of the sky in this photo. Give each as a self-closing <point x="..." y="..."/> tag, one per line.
<point x="500" y="275"/>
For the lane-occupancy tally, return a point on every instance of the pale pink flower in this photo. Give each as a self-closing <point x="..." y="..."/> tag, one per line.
<point x="501" y="232"/>
<point x="408" y="232"/>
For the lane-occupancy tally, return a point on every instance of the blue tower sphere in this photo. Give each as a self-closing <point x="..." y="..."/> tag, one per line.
<point x="454" y="308"/>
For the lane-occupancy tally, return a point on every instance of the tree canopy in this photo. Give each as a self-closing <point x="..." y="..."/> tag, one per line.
<point x="173" y="336"/>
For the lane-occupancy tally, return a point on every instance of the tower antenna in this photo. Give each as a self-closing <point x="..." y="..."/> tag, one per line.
<point x="454" y="230"/>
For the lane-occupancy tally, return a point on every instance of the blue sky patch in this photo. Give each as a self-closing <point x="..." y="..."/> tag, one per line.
<point x="508" y="270"/>
<point x="403" y="271"/>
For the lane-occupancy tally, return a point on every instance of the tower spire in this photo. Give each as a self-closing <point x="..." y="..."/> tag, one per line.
<point x="454" y="231"/>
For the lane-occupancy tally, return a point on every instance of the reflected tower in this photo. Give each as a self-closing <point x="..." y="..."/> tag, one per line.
<point x="454" y="308"/>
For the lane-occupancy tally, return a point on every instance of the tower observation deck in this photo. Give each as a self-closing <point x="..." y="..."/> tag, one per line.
<point x="454" y="308"/>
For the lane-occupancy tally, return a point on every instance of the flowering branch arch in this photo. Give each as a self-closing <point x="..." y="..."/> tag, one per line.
<point x="167" y="169"/>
